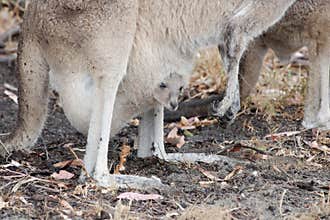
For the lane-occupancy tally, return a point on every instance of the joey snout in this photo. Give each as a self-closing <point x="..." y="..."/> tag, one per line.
<point x="173" y="105"/>
<point x="167" y="99"/>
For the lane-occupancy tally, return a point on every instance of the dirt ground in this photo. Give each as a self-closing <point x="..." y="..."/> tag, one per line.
<point x="281" y="176"/>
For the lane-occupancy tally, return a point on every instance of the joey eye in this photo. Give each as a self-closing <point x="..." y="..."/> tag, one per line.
<point x="162" y="85"/>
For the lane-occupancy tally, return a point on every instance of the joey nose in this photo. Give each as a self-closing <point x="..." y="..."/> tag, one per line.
<point x="174" y="105"/>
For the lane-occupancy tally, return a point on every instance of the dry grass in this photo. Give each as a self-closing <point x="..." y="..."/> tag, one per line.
<point x="278" y="85"/>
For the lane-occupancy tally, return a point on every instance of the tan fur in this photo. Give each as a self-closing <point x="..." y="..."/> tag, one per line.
<point x="167" y="93"/>
<point x="307" y="23"/>
<point x="88" y="45"/>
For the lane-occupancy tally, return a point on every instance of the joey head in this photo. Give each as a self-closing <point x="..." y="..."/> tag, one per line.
<point x="167" y="93"/>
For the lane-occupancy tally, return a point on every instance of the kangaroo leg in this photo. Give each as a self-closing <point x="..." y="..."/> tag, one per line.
<point x="250" y="67"/>
<point x="315" y="107"/>
<point x="321" y="64"/>
<point x="33" y="96"/>
<point x="146" y="135"/>
<point x="152" y="136"/>
<point x="242" y="28"/>
<point x="107" y="70"/>
<point x="324" y="113"/>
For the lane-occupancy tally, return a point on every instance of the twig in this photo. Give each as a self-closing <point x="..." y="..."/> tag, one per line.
<point x="224" y="150"/>
<point x="4" y="134"/>
<point x="242" y="145"/>
<point x="77" y="158"/>
<point x="4" y="147"/>
<point x="248" y="146"/>
<point x="281" y="201"/>
<point x="47" y="188"/>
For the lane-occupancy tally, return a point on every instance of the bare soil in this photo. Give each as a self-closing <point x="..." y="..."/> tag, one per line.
<point x="290" y="180"/>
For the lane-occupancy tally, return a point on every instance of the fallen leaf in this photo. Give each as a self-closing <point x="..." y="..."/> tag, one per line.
<point x="12" y="96"/>
<point x="323" y="148"/>
<point x="208" y="174"/>
<point x="10" y="87"/>
<point x="74" y="163"/>
<point x="13" y="163"/>
<point x="139" y="197"/>
<point x="62" y="175"/>
<point x="175" y="139"/>
<point x="207" y="122"/>
<point x="233" y="173"/>
<point x="135" y="122"/>
<point x="194" y="122"/>
<point x="66" y="205"/>
<point x="62" y="185"/>
<point x="125" y="151"/>
<point x="3" y="204"/>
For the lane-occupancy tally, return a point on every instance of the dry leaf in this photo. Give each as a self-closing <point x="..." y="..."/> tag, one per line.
<point x="208" y="174"/>
<point x="3" y="204"/>
<point x="194" y="122"/>
<point x="66" y="205"/>
<point x="13" y="163"/>
<point x="73" y="163"/>
<point x="135" y="122"/>
<point x="10" y="87"/>
<point x="322" y="148"/>
<point x="233" y="173"/>
<point x="139" y="197"/>
<point x="175" y="139"/>
<point x="63" y="175"/>
<point x="125" y="151"/>
<point x="12" y="96"/>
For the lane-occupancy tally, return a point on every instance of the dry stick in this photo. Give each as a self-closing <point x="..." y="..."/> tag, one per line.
<point x="77" y="158"/>
<point x="4" y="134"/>
<point x="252" y="148"/>
<point x="240" y="144"/>
<point x="4" y="147"/>
<point x="281" y="201"/>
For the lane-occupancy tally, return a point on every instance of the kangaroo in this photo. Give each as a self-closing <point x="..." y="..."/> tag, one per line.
<point x="98" y="52"/>
<point x="306" y="23"/>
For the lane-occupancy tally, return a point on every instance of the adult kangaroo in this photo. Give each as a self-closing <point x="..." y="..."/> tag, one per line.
<point x="98" y="52"/>
<point x="306" y="23"/>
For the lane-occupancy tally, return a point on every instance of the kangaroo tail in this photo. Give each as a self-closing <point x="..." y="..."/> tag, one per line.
<point x="33" y="80"/>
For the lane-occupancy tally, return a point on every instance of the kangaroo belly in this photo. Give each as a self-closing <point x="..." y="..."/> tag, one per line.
<point x="76" y="97"/>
